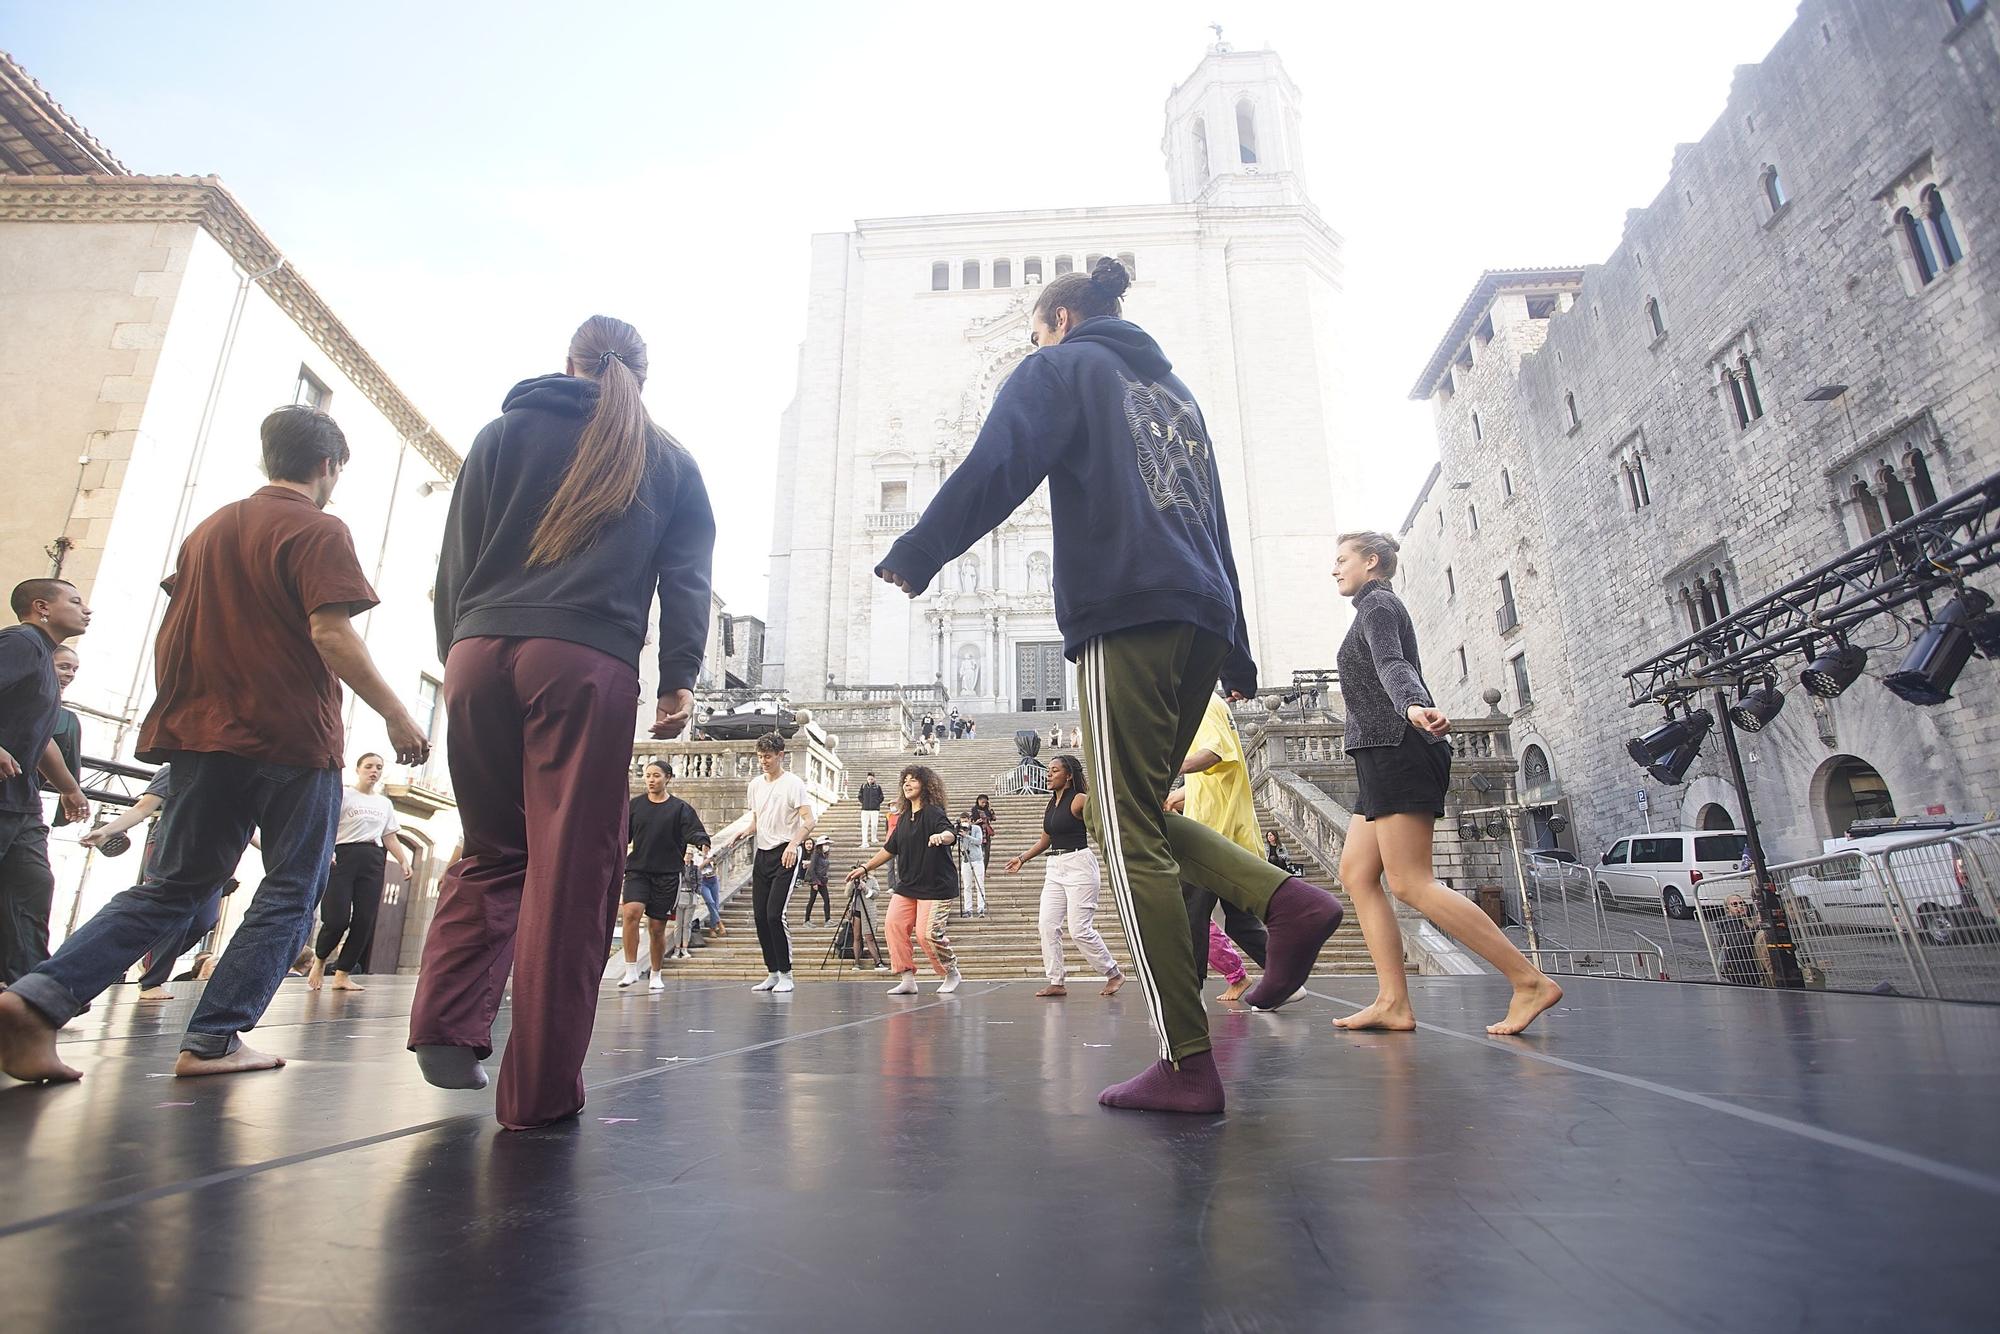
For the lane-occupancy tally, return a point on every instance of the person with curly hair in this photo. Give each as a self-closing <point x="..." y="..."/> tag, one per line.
<point x="924" y="845"/>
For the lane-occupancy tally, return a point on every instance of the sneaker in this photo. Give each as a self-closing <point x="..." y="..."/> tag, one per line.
<point x="950" y="983"/>
<point x="784" y="983"/>
<point x="769" y="983"/>
<point x="631" y="976"/>
<point x="659" y="983"/>
<point x="683" y="955"/>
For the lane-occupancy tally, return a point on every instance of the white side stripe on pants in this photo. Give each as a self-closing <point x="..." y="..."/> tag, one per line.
<point x="1114" y="841"/>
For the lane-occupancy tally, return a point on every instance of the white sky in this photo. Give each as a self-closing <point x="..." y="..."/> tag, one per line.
<point x="464" y="183"/>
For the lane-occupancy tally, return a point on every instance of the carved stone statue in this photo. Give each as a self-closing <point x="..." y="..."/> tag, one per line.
<point x="968" y="574"/>
<point x="1038" y="574"/>
<point x="968" y="675"/>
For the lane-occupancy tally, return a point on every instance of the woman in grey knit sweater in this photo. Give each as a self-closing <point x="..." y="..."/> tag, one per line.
<point x="1396" y="735"/>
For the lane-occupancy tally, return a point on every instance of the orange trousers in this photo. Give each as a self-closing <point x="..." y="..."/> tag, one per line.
<point x="921" y="914"/>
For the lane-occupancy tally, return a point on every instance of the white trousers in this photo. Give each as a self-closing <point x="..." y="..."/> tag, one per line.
<point x="972" y="880"/>
<point x="1069" y="899"/>
<point x="871" y="829"/>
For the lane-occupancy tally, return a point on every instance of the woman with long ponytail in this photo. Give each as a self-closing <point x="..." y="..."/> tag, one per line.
<point x="572" y="512"/>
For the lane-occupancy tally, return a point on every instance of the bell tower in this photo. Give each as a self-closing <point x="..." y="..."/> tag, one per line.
<point x="1233" y="136"/>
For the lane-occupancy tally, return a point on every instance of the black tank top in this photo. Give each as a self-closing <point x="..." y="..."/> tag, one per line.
<point x="1065" y="830"/>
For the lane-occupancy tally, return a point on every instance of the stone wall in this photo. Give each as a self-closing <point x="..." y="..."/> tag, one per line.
<point x="1859" y="106"/>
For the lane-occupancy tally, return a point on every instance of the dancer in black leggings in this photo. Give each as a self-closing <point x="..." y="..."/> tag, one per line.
<point x="362" y="846"/>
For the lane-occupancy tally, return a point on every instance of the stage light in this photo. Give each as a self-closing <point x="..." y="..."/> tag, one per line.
<point x="1932" y="665"/>
<point x="1669" y="750"/>
<point x="1468" y="830"/>
<point x="1496" y="825"/>
<point x="1833" y="670"/>
<point x="1557" y="823"/>
<point x="1754" y="712"/>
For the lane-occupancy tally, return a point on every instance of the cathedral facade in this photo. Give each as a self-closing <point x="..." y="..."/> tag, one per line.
<point x="915" y="323"/>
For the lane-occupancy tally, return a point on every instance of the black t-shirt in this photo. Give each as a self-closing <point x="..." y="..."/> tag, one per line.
<point x="28" y="711"/>
<point x="923" y="871"/>
<point x="661" y="832"/>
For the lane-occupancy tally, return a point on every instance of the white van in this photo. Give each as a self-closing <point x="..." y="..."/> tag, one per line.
<point x="1663" y="869"/>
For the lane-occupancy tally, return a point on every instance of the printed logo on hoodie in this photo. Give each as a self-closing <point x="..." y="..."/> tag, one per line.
<point x="1172" y="452"/>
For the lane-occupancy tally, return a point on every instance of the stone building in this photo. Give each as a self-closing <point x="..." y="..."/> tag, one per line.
<point x="914" y="323"/>
<point x="1796" y="343"/>
<point x="146" y="327"/>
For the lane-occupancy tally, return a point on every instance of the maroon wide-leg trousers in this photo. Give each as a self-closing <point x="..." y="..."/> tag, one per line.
<point x="539" y="734"/>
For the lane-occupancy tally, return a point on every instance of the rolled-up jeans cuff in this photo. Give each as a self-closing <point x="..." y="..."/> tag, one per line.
<point x="211" y="1046"/>
<point x="50" y="998"/>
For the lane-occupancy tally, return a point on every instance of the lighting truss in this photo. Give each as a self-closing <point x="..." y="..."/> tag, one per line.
<point x="1929" y="552"/>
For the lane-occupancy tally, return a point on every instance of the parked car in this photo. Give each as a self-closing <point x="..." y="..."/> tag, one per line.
<point x="1663" y="869"/>
<point x="1932" y="880"/>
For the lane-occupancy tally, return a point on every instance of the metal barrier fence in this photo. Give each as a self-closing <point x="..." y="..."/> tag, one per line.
<point x="1569" y="931"/>
<point x="1915" y="919"/>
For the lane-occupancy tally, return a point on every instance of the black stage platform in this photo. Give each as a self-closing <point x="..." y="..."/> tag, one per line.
<point x="1656" y="1157"/>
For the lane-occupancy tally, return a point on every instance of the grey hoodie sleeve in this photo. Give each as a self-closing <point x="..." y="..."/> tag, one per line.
<point x="1383" y="629"/>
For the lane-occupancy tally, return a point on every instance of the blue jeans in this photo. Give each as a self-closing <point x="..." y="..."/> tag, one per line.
<point x="710" y="889"/>
<point x="214" y="804"/>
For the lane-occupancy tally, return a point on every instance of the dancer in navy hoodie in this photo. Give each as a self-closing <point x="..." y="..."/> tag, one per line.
<point x="1147" y="598"/>
<point x="572" y="510"/>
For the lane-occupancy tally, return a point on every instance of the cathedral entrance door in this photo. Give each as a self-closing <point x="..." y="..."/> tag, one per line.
<point x="1039" y="678"/>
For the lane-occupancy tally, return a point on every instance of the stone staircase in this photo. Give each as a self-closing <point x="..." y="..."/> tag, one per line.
<point x="1003" y="944"/>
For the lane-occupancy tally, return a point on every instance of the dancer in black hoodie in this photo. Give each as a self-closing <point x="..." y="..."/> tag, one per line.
<point x="573" y="509"/>
<point x="1146" y="595"/>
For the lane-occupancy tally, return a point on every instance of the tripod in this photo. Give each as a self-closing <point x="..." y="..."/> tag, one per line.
<point x="857" y="923"/>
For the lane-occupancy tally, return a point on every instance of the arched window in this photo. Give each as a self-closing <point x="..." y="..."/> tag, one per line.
<point x="1569" y="410"/>
<point x="1064" y="264"/>
<point x="1031" y="270"/>
<point x="1506" y="484"/>
<point x="1246" y="132"/>
<point x="1774" y="188"/>
<point x="1472" y="516"/>
<point x="1921" y="487"/>
<point x="1201" y="149"/>
<point x="971" y="278"/>
<point x="1919" y="241"/>
<point x="1090" y="263"/>
<point x="1003" y="273"/>
<point x="1866" y="508"/>
<point x="1895" y="496"/>
<point x="941" y="276"/>
<point x="1721" y="592"/>
<point x="1131" y="265"/>
<point x="1654" y="319"/>
<point x="1478" y="434"/>
<point x="1948" y="249"/>
<point x="1639" y="481"/>
<point x="1746" y="377"/>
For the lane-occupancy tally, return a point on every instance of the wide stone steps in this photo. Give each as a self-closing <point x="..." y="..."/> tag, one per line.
<point x="1004" y="943"/>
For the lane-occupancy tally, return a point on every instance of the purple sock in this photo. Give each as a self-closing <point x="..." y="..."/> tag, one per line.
<point x="1300" y="918"/>
<point x="1195" y="1087"/>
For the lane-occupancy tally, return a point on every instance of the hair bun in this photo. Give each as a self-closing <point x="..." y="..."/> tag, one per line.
<point x="1109" y="274"/>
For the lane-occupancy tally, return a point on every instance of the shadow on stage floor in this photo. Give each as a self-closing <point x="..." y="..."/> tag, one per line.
<point x="1655" y="1157"/>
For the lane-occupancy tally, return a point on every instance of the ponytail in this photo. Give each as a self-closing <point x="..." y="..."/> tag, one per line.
<point x="618" y="441"/>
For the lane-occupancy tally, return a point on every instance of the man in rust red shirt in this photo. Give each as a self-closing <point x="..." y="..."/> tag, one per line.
<point x="249" y="661"/>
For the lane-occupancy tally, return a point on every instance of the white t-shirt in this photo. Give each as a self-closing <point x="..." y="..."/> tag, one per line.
<point x="365" y="817"/>
<point x="775" y="803"/>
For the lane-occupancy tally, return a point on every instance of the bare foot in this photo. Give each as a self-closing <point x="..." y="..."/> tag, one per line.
<point x="243" y="1058"/>
<point x="1384" y="1014"/>
<point x="28" y="1044"/>
<point x="316" y="975"/>
<point x="342" y="982"/>
<point x="1053" y="989"/>
<point x="1112" y="983"/>
<point x="1235" y="990"/>
<point x="1526" y="1005"/>
<point x="156" y="993"/>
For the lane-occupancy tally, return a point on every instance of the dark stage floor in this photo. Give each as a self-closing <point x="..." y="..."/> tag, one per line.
<point x="1657" y="1157"/>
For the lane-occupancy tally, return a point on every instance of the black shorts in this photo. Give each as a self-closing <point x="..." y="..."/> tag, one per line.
<point x="1408" y="778"/>
<point x="658" y="890"/>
